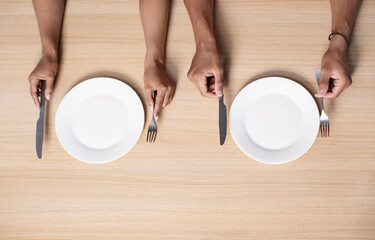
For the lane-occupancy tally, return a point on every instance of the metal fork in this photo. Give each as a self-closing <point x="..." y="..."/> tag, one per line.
<point x="324" y="121"/>
<point x="152" y="128"/>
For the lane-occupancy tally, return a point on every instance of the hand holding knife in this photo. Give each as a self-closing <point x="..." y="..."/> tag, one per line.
<point x="222" y="111"/>
<point x="40" y="122"/>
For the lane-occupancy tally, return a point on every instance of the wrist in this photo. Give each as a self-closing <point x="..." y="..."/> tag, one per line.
<point x="152" y="61"/>
<point x="203" y="32"/>
<point x="206" y="43"/>
<point x="338" y="44"/>
<point x="50" y="53"/>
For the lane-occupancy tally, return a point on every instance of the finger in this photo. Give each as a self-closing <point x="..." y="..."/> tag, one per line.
<point x="211" y="87"/>
<point x="159" y="103"/>
<point x="167" y="98"/>
<point x="211" y="84"/>
<point x="338" y="87"/>
<point x="219" y="81"/>
<point x="324" y="83"/>
<point x="49" y="87"/>
<point x="34" y="89"/>
<point x="150" y="100"/>
<point x="203" y="88"/>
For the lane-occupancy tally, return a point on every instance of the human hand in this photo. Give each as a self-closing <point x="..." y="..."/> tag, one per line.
<point x="335" y="74"/>
<point x="156" y="79"/>
<point x="206" y="71"/>
<point x="46" y="70"/>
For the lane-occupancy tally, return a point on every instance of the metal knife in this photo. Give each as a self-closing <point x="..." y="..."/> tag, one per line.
<point x="222" y="120"/>
<point x="40" y="122"/>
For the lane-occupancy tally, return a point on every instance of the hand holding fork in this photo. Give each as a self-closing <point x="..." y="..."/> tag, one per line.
<point x="324" y="121"/>
<point x="152" y="128"/>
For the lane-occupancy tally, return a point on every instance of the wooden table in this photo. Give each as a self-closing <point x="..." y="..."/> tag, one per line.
<point x="185" y="186"/>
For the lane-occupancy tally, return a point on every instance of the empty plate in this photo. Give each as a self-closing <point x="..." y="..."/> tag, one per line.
<point x="274" y="120"/>
<point x="99" y="120"/>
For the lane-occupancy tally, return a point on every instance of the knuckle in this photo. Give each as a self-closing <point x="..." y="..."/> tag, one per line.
<point x="218" y="66"/>
<point x="324" y="69"/>
<point x="219" y="84"/>
<point x="190" y="75"/>
<point x="221" y="71"/>
<point x="147" y="87"/>
<point x="349" y="82"/>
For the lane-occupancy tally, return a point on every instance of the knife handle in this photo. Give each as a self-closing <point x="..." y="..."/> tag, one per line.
<point x="42" y="95"/>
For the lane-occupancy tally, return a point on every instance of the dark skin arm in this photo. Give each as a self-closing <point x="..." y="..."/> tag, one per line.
<point x="335" y="68"/>
<point x="49" y="15"/>
<point x="206" y="71"/>
<point x="154" y="16"/>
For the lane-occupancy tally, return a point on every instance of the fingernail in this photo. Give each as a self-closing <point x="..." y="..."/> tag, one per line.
<point x="156" y="118"/>
<point x="219" y="93"/>
<point x="320" y="91"/>
<point x="48" y="96"/>
<point x="150" y="108"/>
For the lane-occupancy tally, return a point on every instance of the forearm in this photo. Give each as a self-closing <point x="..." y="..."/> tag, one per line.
<point x="154" y="16"/>
<point x="49" y="15"/>
<point x="201" y="17"/>
<point x="344" y="14"/>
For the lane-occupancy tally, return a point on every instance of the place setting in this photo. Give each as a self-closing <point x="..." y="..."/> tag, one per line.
<point x="272" y="120"/>
<point x="99" y="120"/>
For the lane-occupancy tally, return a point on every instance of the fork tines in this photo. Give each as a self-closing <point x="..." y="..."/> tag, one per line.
<point x="151" y="136"/>
<point x="324" y="130"/>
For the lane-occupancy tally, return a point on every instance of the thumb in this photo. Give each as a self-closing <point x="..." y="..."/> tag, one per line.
<point x="49" y="87"/>
<point x="158" y="104"/>
<point x="324" y="84"/>
<point x="219" y="82"/>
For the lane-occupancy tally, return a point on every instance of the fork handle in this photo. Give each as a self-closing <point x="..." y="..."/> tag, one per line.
<point x="318" y="74"/>
<point x="322" y="104"/>
<point x="154" y="93"/>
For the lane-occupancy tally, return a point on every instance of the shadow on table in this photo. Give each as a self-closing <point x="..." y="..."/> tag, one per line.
<point x="171" y="67"/>
<point x="353" y="55"/>
<point x="223" y="40"/>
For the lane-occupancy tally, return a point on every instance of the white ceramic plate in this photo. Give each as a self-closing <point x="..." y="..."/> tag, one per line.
<point x="99" y="120"/>
<point x="274" y="120"/>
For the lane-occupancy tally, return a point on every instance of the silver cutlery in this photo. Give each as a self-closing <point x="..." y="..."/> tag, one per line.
<point x="324" y="121"/>
<point x="222" y="120"/>
<point x="40" y="121"/>
<point x="152" y="128"/>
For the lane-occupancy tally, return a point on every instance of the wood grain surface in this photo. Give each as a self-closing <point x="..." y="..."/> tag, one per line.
<point x="185" y="186"/>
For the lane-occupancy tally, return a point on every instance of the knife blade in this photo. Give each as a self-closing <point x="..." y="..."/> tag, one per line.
<point x="40" y="122"/>
<point x="222" y="120"/>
